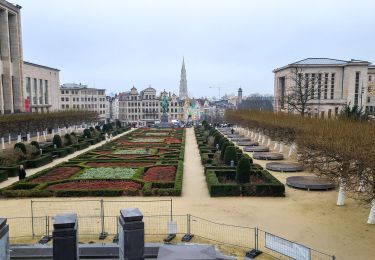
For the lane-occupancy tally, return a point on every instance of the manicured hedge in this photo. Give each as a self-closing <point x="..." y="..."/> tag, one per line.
<point x="12" y="171"/>
<point x="39" y="161"/>
<point x="3" y="175"/>
<point x="271" y="187"/>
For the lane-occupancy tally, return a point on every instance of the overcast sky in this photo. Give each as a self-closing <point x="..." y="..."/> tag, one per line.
<point x="115" y="44"/>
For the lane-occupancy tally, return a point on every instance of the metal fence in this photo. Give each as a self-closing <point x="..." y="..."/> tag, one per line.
<point x="231" y="239"/>
<point x="95" y="215"/>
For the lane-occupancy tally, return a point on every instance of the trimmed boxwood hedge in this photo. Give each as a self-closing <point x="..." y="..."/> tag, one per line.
<point x="270" y="187"/>
<point x="39" y="161"/>
<point x="3" y="175"/>
<point x="12" y="171"/>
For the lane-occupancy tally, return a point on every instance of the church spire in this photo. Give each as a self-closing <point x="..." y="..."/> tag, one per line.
<point x="183" y="82"/>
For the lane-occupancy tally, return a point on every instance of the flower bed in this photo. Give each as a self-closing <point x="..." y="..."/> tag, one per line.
<point x="95" y="185"/>
<point x="107" y="173"/>
<point x="57" y="174"/>
<point x="132" y="151"/>
<point x="172" y="140"/>
<point x="119" y="164"/>
<point x="160" y="174"/>
<point x="145" y="162"/>
<point x="147" y="140"/>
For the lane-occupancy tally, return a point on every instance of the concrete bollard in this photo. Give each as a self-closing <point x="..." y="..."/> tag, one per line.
<point x="65" y="237"/>
<point x="4" y="240"/>
<point x="131" y="237"/>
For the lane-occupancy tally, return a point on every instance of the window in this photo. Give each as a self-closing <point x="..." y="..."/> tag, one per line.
<point x="46" y="92"/>
<point x="67" y="106"/>
<point x="325" y="85"/>
<point x="28" y="88"/>
<point x="336" y="111"/>
<point x="368" y="99"/>
<point x="312" y="93"/>
<point x="62" y="99"/>
<point x="356" y="88"/>
<point x="369" y="77"/>
<point x="62" y="106"/>
<point x="319" y="85"/>
<point x="35" y="91"/>
<point x="41" y="91"/>
<point x="62" y="91"/>
<point x="332" y="85"/>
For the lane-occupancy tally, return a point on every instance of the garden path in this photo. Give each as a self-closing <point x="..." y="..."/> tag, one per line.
<point x="194" y="183"/>
<point x="29" y="172"/>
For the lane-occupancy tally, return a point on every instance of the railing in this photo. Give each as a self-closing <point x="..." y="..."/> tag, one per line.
<point x="231" y="239"/>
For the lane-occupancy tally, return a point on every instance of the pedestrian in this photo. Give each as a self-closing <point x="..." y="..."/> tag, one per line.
<point x="232" y="131"/>
<point x="21" y="173"/>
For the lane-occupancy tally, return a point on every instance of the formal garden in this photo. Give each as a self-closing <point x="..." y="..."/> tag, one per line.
<point x="35" y="154"/>
<point x="144" y="162"/>
<point x="229" y="171"/>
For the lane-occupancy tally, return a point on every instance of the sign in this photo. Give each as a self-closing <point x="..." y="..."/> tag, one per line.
<point x="287" y="248"/>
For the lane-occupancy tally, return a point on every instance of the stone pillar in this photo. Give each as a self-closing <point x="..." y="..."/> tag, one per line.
<point x="131" y="234"/>
<point x="7" y="93"/>
<point x="16" y="61"/>
<point x="4" y="240"/>
<point x="65" y="237"/>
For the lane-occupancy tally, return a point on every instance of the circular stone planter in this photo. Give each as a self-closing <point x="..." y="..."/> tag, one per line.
<point x="242" y="139"/>
<point x="247" y="143"/>
<point x="310" y="183"/>
<point x="268" y="156"/>
<point x="256" y="149"/>
<point x="284" y="167"/>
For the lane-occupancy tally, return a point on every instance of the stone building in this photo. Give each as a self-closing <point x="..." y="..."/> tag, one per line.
<point x="144" y="107"/>
<point x="112" y="108"/>
<point x="81" y="97"/>
<point x="41" y="88"/>
<point x="335" y="84"/>
<point x="11" y="94"/>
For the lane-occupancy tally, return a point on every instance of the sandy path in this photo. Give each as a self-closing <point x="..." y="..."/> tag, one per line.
<point x="194" y="183"/>
<point x="30" y="172"/>
<point x="310" y="218"/>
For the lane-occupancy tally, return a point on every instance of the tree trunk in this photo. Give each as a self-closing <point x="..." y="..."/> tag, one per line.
<point x="341" y="196"/>
<point x="371" y="217"/>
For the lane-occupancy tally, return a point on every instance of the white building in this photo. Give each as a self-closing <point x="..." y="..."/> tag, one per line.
<point x="336" y="83"/>
<point x="41" y="88"/>
<point x="112" y="108"/>
<point x="81" y="97"/>
<point x="144" y="107"/>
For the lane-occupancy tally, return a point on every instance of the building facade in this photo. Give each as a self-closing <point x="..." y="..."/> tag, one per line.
<point x="11" y="82"/>
<point x="81" y="97"/>
<point x="144" y="108"/>
<point x="334" y="83"/>
<point x="112" y="108"/>
<point x="41" y="88"/>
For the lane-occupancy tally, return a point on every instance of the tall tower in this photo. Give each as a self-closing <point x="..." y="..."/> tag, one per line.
<point x="239" y="98"/>
<point x="183" y="83"/>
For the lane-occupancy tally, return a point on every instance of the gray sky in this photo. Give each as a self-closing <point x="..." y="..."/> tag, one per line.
<point x="117" y="44"/>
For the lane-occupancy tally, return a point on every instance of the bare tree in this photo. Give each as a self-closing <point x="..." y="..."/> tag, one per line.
<point x="303" y="90"/>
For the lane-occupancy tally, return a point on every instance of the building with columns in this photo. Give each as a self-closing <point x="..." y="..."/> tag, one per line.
<point x="11" y="82"/>
<point x="335" y="83"/>
<point x="81" y="97"/>
<point x="183" y="93"/>
<point x="41" y="88"/>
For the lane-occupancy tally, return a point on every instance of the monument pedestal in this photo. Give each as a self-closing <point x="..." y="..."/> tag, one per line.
<point x="164" y="121"/>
